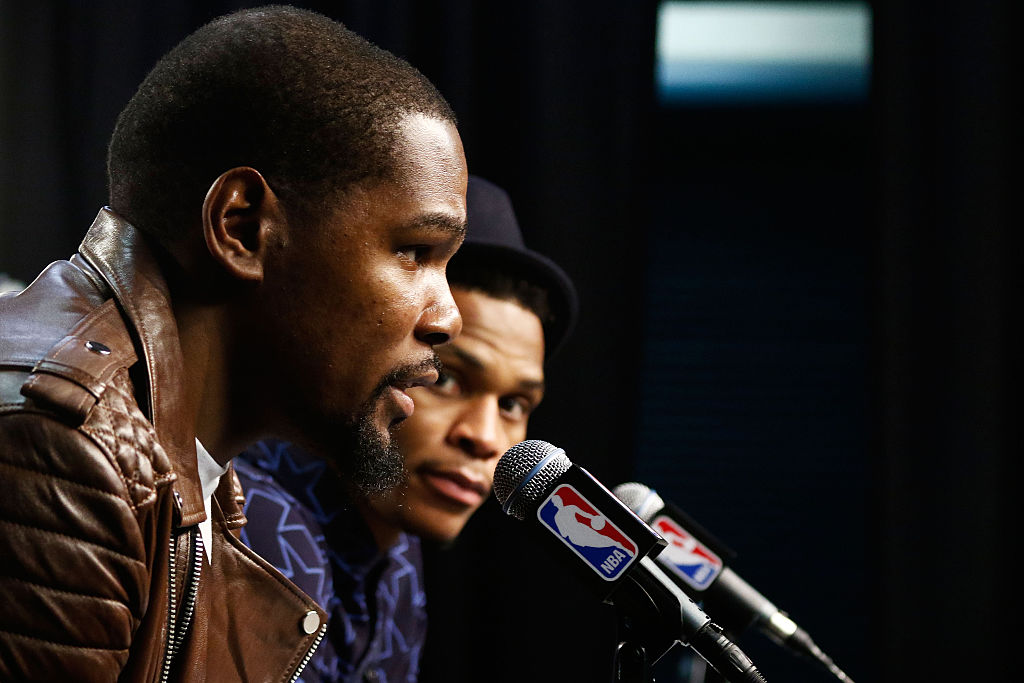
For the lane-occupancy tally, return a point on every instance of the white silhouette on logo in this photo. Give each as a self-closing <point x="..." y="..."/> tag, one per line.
<point x="682" y="550"/>
<point x="579" y="533"/>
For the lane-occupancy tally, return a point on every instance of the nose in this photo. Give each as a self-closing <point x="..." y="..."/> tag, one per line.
<point x="440" y="321"/>
<point x="477" y="429"/>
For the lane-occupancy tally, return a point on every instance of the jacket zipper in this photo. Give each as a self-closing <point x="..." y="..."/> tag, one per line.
<point x="309" y="654"/>
<point x="172" y="586"/>
<point x="177" y="630"/>
<point x="192" y="583"/>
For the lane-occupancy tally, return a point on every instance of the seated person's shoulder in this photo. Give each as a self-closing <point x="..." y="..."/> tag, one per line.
<point x="68" y="407"/>
<point x="282" y="529"/>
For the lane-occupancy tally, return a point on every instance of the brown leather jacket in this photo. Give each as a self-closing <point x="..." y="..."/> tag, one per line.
<point x="100" y="494"/>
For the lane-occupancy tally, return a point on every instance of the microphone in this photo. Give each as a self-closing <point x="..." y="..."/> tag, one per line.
<point x="693" y="559"/>
<point x="609" y="548"/>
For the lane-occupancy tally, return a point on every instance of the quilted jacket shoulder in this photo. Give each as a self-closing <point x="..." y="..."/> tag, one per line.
<point x="82" y="466"/>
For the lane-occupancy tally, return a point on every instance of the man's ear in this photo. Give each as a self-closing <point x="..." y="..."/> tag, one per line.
<point x="241" y="215"/>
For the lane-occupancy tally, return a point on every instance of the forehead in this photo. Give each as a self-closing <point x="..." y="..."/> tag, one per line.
<point x="428" y="156"/>
<point x="426" y="185"/>
<point x="498" y="335"/>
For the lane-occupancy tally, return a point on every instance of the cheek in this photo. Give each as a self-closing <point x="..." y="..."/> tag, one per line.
<point x="368" y="287"/>
<point x="371" y="326"/>
<point x="417" y="438"/>
<point x="392" y="313"/>
<point x="513" y="435"/>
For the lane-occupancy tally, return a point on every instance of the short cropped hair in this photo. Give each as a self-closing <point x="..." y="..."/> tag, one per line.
<point x="308" y="103"/>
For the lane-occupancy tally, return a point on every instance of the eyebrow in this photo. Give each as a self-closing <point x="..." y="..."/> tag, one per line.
<point x="440" y="221"/>
<point x="531" y="385"/>
<point x="472" y="360"/>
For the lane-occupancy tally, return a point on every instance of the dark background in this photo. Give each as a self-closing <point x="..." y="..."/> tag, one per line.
<point x="799" y="323"/>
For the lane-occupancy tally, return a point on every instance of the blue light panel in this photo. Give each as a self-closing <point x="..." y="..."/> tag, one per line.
<point x="756" y="52"/>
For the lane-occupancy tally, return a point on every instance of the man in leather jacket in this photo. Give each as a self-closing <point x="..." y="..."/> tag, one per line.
<point x="284" y="198"/>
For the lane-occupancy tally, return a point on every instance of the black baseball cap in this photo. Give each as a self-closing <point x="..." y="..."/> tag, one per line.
<point x="493" y="238"/>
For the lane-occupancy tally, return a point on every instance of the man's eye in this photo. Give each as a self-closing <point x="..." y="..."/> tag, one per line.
<point x="414" y="253"/>
<point x="446" y="385"/>
<point x="515" y="407"/>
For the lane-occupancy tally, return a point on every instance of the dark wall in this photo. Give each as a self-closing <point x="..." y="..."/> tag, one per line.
<point x="947" y="340"/>
<point x="802" y="325"/>
<point x="754" y="391"/>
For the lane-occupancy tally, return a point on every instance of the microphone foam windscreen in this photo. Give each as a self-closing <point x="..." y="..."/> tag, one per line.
<point x="525" y="472"/>
<point x="641" y="499"/>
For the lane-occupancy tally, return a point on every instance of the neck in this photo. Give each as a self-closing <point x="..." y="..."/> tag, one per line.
<point x="201" y="331"/>
<point x="384" y="533"/>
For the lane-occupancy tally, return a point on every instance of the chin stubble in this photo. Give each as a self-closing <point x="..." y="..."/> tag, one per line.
<point x="376" y="463"/>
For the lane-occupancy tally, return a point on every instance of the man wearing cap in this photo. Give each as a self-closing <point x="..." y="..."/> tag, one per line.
<point x="361" y="561"/>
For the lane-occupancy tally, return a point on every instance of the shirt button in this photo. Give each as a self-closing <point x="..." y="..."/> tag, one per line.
<point x="311" y="623"/>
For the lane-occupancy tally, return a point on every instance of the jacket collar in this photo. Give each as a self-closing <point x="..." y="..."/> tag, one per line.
<point x="118" y="251"/>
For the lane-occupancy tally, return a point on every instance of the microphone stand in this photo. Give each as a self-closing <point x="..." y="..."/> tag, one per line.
<point x="654" y="615"/>
<point x="630" y="663"/>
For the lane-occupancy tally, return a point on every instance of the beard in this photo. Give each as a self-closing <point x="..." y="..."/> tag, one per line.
<point x="374" y="463"/>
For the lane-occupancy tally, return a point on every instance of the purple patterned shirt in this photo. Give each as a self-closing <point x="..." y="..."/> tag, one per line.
<point x="300" y="522"/>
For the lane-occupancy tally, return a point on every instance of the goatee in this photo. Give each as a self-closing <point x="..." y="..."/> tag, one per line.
<point x="375" y="464"/>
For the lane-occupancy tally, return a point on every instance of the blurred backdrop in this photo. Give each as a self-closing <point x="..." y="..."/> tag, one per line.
<point x="799" y="279"/>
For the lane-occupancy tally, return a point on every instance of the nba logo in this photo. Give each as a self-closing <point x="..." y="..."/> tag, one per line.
<point x="685" y="555"/>
<point x="588" y="533"/>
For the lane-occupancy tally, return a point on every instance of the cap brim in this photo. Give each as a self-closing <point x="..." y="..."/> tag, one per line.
<point x="542" y="271"/>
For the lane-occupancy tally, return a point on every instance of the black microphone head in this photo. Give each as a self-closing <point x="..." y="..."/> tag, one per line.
<point x="642" y="500"/>
<point x="525" y="472"/>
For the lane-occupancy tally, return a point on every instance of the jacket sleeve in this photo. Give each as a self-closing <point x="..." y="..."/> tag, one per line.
<point x="76" y="547"/>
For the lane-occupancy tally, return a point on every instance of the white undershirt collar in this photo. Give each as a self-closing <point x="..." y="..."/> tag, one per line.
<point x="210" y="473"/>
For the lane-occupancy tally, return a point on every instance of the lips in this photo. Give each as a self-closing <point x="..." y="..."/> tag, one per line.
<point x="398" y="387"/>
<point x="456" y="486"/>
